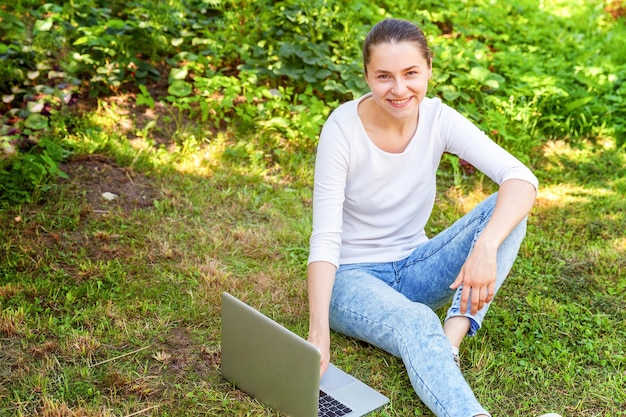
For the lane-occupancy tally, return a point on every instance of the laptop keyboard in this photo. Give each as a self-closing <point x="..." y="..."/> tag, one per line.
<point x="330" y="407"/>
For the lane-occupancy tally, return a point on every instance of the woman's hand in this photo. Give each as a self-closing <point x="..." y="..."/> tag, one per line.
<point x="321" y="341"/>
<point x="321" y="276"/>
<point x="478" y="276"/>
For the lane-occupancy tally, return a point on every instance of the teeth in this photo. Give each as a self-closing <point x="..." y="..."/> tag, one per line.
<point x="398" y="102"/>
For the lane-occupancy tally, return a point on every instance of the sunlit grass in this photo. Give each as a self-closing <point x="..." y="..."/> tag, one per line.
<point x="123" y="315"/>
<point x="112" y="308"/>
<point x="140" y="327"/>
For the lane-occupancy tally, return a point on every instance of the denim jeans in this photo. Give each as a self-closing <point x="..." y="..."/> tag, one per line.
<point x="391" y="305"/>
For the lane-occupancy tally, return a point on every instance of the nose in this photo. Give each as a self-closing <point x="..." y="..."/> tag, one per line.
<point x="399" y="87"/>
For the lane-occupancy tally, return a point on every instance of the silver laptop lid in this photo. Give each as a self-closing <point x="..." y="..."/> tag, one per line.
<point x="267" y="361"/>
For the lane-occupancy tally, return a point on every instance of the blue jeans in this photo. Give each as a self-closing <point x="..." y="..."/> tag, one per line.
<point x="391" y="305"/>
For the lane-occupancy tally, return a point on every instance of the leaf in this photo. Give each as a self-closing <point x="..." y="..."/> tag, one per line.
<point x="178" y="74"/>
<point x="9" y="22"/>
<point x="323" y="73"/>
<point x="36" y="122"/>
<point x="486" y="77"/>
<point x="480" y="74"/>
<point x="309" y="78"/>
<point x="275" y="122"/>
<point x="35" y="106"/>
<point x="451" y="95"/>
<point x="145" y="98"/>
<point x="179" y="88"/>
<point x="82" y="40"/>
<point x="116" y="24"/>
<point x="578" y="103"/>
<point x="144" y="69"/>
<point x="62" y="174"/>
<point x="492" y="83"/>
<point x="43" y="25"/>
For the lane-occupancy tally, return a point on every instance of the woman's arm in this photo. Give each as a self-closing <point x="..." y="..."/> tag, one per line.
<point x="478" y="274"/>
<point x="321" y="276"/>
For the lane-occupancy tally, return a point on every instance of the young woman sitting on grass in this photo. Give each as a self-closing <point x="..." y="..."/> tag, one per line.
<point x="373" y="273"/>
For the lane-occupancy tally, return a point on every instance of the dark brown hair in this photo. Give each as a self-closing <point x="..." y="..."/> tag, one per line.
<point x="394" y="31"/>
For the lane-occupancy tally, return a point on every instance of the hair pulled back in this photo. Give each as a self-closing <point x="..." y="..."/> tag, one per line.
<point x="394" y="31"/>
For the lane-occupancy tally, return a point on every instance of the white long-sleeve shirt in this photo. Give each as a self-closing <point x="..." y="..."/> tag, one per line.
<point x="372" y="206"/>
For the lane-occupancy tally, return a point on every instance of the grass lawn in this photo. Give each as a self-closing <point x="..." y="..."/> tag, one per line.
<point x="111" y="308"/>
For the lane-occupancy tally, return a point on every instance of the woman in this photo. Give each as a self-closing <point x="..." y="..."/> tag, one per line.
<point x="373" y="274"/>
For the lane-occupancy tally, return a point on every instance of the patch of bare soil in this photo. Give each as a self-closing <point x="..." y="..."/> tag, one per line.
<point x="183" y="355"/>
<point x="105" y="185"/>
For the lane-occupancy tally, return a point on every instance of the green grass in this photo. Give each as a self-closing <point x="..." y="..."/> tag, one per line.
<point x="111" y="308"/>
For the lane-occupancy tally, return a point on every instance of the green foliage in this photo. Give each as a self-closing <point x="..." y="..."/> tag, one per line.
<point x="27" y="178"/>
<point x="524" y="72"/>
<point x="312" y="44"/>
<point x="106" y="307"/>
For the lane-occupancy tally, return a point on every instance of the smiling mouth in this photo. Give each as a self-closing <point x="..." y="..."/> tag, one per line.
<point x="400" y="102"/>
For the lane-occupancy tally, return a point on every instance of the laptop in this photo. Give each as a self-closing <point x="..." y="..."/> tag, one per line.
<point x="281" y="369"/>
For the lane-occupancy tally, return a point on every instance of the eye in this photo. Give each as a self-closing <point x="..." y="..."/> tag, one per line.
<point x="383" y="76"/>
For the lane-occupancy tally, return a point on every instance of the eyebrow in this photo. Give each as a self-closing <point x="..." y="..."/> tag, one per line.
<point x="412" y="67"/>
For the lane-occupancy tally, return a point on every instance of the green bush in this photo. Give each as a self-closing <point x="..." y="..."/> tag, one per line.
<point x="26" y="177"/>
<point x="525" y="72"/>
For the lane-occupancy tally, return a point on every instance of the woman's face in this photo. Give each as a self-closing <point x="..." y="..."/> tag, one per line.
<point x="398" y="76"/>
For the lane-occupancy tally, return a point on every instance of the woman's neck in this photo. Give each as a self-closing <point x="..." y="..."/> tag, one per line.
<point x="386" y="132"/>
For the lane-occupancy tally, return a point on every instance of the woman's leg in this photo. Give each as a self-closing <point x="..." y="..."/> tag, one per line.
<point x="426" y="275"/>
<point x="507" y="253"/>
<point x="365" y="307"/>
<point x="391" y="306"/>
